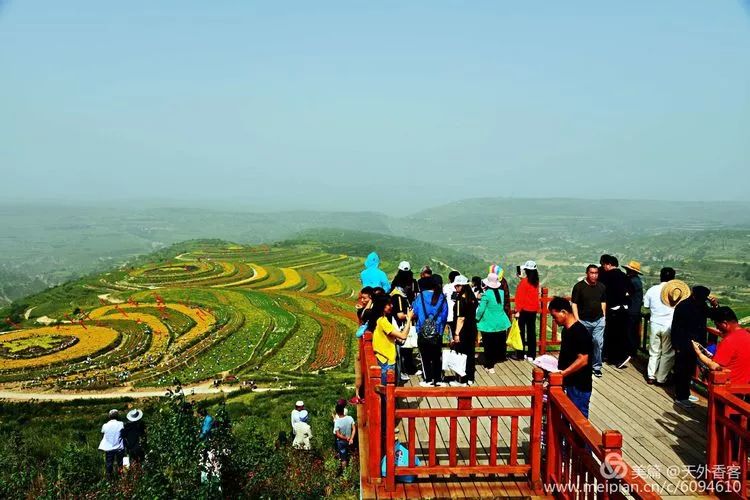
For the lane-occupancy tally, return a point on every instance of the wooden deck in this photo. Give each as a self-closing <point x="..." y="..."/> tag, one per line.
<point x="658" y="437"/>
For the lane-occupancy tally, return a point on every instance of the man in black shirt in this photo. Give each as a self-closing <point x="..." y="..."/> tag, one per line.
<point x="589" y="302"/>
<point x="616" y="343"/>
<point x="689" y="324"/>
<point x="575" y="354"/>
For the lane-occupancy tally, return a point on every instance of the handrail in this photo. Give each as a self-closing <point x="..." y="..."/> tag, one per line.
<point x="580" y="460"/>
<point x="727" y="439"/>
<point x="464" y="409"/>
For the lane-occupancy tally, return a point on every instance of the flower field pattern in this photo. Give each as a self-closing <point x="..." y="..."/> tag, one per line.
<point x="203" y="311"/>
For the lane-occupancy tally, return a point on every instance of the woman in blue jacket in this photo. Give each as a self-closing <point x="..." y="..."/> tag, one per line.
<point x="431" y="312"/>
<point x="372" y="275"/>
<point x="492" y="322"/>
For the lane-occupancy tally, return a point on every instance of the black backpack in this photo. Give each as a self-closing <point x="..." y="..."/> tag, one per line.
<point x="429" y="330"/>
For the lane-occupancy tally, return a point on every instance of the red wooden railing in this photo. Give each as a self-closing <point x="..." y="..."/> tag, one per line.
<point x="580" y="461"/>
<point x="465" y="410"/>
<point x="727" y="439"/>
<point x="574" y="453"/>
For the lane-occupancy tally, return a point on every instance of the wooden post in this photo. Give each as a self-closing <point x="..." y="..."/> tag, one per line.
<point x="374" y="421"/>
<point x="535" y="441"/>
<point x="553" y="463"/>
<point x="612" y="452"/>
<point x="390" y="432"/>
<point x="543" y="322"/>
<point x="717" y="380"/>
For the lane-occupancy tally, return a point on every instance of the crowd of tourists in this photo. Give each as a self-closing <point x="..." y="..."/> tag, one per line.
<point x="601" y="323"/>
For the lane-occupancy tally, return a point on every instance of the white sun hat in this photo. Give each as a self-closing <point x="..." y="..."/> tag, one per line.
<point x="460" y="280"/>
<point x="529" y="264"/>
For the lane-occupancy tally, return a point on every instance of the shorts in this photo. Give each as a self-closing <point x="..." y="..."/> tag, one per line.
<point x="342" y="447"/>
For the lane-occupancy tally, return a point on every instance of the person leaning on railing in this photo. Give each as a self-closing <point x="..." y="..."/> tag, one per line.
<point x="732" y="351"/>
<point x="385" y="334"/>
<point x="575" y="360"/>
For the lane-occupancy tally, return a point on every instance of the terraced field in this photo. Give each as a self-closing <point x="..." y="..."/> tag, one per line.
<point x="214" y="310"/>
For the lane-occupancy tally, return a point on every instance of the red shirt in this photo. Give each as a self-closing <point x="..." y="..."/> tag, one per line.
<point x="527" y="296"/>
<point x="733" y="353"/>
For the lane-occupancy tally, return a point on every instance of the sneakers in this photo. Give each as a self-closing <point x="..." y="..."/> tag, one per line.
<point x="529" y="358"/>
<point x="426" y="384"/>
<point x="455" y="383"/>
<point x="598" y="373"/>
<point x="405" y="377"/>
<point x="441" y="384"/>
<point x="684" y="403"/>
<point x="624" y="363"/>
<point x="470" y="383"/>
<point x="418" y="373"/>
<point x="693" y="399"/>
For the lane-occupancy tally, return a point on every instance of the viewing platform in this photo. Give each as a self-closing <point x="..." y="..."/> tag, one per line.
<point x="510" y="435"/>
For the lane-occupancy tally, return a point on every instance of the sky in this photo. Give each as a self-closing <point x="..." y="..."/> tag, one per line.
<point x="380" y="105"/>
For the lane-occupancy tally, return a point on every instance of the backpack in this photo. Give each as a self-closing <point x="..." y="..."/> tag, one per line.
<point x="429" y="330"/>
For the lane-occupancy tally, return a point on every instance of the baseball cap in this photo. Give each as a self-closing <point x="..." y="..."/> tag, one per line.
<point x="404" y="266"/>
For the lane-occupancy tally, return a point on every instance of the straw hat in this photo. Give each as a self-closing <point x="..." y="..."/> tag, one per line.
<point x="634" y="265"/>
<point x="492" y="281"/>
<point x="673" y="292"/>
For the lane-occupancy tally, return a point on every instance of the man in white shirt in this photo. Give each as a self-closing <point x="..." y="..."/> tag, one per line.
<point x="302" y="432"/>
<point x="111" y="443"/>
<point x="299" y="407"/>
<point x="660" y="350"/>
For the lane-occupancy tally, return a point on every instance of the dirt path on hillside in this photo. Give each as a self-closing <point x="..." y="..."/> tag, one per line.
<point x="121" y="393"/>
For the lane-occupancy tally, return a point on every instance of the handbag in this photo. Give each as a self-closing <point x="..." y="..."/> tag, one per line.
<point x="411" y="338"/>
<point x="455" y="362"/>
<point x="514" y="337"/>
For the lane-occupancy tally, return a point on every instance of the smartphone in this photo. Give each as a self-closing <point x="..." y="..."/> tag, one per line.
<point x="518" y="271"/>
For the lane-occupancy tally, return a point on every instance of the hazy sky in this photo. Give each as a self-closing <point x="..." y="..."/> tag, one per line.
<point x="350" y="104"/>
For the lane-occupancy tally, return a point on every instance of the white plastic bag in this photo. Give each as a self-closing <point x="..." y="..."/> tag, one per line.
<point x="457" y="363"/>
<point x="411" y="339"/>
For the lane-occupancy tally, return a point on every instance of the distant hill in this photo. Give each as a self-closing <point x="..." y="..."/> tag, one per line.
<point x="48" y="245"/>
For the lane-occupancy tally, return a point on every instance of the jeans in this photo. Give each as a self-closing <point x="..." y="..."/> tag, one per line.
<point x="384" y="367"/>
<point x="342" y="447"/>
<point x="579" y="398"/>
<point x="112" y="458"/>
<point x="660" y="353"/>
<point x="596" y="329"/>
